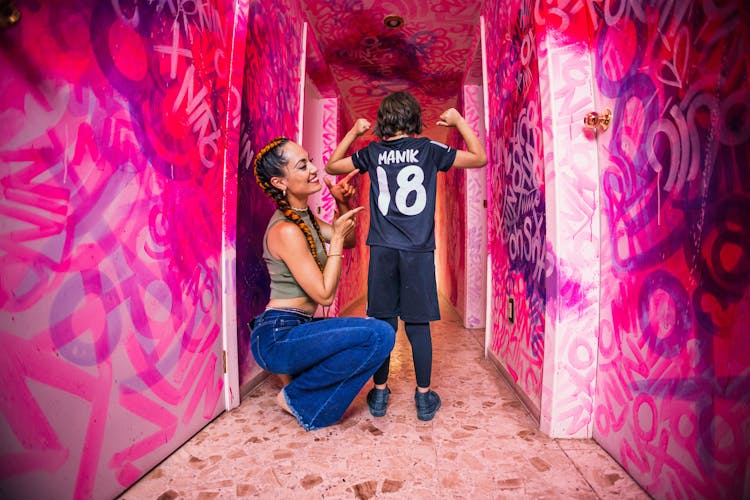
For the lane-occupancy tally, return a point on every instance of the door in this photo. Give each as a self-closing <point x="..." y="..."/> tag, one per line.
<point x="475" y="275"/>
<point x="111" y="236"/>
<point x="672" y="376"/>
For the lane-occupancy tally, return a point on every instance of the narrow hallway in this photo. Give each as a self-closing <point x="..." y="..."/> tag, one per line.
<point x="482" y="443"/>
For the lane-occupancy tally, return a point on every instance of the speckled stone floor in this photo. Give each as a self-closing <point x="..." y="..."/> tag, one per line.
<point x="481" y="444"/>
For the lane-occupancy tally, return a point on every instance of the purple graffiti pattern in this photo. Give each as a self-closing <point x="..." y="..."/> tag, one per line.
<point x="516" y="239"/>
<point x="573" y="236"/>
<point x="270" y="104"/>
<point x="674" y="376"/>
<point x="476" y="195"/>
<point x="113" y="134"/>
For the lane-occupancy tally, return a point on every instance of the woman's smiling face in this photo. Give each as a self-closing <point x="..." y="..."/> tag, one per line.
<point x="301" y="174"/>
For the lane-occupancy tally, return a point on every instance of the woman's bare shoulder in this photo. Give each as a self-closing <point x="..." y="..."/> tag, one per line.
<point x="286" y="231"/>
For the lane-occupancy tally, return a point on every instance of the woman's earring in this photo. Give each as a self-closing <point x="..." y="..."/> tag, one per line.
<point x="283" y="191"/>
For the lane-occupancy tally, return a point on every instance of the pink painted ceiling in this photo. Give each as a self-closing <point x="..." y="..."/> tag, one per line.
<point x="428" y="56"/>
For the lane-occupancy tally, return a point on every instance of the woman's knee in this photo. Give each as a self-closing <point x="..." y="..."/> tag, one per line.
<point x="386" y="336"/>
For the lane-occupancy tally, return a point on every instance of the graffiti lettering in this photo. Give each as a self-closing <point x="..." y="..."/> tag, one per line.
<point x="200" y="117"/>
<point x="174" y="51"/>
<point x="113" y="304"/>
<point x="681" y="110"/>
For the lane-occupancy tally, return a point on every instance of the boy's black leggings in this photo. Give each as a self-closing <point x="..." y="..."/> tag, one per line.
<point x="421" y="352"/>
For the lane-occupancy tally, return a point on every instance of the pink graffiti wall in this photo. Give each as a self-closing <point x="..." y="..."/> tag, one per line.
<point x="320" y="137"/>
<point x="270" y="108"/>
<point x="572" y="215"/>
<point x="353" y="285"/>
<point x="645" y="318"/>
<point x="475" y="274"/>
<point x="450" y="230"/>
<point x="117" y="159"/>
<point x="673" y="379"/>
<point x="516" y="194"/>
<point x="275" y="56"/>
<point x="333" y="124"/>
<point x="461" y="224"/>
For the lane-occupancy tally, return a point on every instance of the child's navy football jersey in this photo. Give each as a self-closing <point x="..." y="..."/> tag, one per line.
<point x="403" y="187"/>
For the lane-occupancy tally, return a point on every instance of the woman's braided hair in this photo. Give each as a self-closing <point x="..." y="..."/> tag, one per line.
<point x="269" y="162"/>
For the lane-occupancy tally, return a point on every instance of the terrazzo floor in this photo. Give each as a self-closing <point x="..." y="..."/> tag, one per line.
<point x="482" y="444"/>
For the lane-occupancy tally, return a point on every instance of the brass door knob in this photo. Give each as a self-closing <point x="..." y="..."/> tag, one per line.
<point x="595" y="120"/>
<point x="9" y="14"/>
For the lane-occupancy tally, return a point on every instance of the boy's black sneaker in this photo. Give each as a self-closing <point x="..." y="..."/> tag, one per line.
<point x="428" y="404"/>
<point x="377" y="401"/>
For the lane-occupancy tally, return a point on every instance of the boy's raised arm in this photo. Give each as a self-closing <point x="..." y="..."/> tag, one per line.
<point x="474" y="156"/>
<point x="339" y="163"/>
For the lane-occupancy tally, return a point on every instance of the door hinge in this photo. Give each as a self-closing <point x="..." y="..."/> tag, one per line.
<point x="224" y="360"/>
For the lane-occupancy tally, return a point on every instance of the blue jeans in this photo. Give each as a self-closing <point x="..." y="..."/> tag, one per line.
<point x="329" y="360"/>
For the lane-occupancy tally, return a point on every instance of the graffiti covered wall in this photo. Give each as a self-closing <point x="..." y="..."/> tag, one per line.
<point x="115" y="150"/>
<point x="450" y="229"/>
<point x="352" y="289"/>
<point x="515" y="190"/>
<point x="460" y="227"/>
<point x="572" y="215"/>
<point x="270" y="108"/>
<point x="673" y="384"/>
<point x="320" y="137"/>
<point x="475" y="273"/>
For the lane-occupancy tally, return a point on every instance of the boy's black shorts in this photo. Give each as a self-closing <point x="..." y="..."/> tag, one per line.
<point x="402" y="283"/>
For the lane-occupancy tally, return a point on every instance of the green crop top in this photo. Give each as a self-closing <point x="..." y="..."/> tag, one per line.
<point x="283" y="284"/>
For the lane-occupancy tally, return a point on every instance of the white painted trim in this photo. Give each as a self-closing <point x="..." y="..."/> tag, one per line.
<point x="228" y="261"/>
<point x="302" y="78"/>
<point x="488" y="192"/>
<point x="488" y="309"/>
<point x="485" y="91"/>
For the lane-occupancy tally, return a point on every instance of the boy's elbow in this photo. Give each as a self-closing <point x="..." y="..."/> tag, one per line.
<point x="479" y="161"/>
<point x="331" y="169"/>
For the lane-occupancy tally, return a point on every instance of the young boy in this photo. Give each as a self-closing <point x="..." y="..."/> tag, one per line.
<point x="403" y="184"/>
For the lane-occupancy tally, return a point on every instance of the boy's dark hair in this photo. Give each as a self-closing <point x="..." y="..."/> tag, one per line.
<point x="398" y="112"/>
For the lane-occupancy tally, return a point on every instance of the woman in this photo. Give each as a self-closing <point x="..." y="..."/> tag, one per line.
<point x="326" y="362"/>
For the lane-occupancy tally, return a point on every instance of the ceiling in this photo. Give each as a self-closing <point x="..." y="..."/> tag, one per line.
<point x="428" y="56"/>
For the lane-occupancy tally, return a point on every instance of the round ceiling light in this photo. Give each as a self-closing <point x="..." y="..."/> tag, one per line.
<point x="393" y="21"/>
